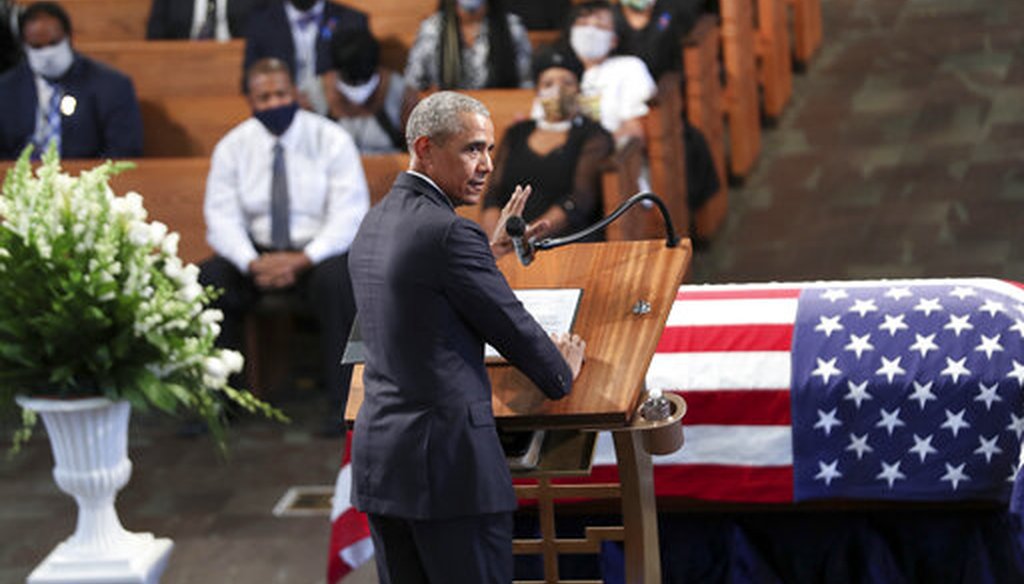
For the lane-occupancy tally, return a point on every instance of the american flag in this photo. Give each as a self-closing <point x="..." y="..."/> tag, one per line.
<point x="902" y="389"/>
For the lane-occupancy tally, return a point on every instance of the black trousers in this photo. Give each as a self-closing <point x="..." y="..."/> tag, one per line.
<point x="475" y="549"/>
<point x="325" y="289"/>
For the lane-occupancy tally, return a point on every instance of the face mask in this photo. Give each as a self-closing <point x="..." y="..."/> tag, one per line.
<point x="470" y="5"/>
<point x="558" y="105"/>
<point x="637" y="4"/>
<point x="51" y="62"/>
<point x="303" y="5"/>
<point x="277" y="120"/>
<point x="590" y="42"/>
<point x="358" y="94"/>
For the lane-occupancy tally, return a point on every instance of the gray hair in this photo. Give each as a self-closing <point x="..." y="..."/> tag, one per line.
<point x="437" y="116"/>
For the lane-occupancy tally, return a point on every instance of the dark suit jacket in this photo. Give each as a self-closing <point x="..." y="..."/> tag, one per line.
<point x="270" y="35"/>
<point x="429" y="294"/>
<point x="172" y="19"/>
<point x="105" y="123"/>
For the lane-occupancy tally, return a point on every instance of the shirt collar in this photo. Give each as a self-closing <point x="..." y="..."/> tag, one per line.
<point x="295" y="15"/>
<point x="431" y="182"/>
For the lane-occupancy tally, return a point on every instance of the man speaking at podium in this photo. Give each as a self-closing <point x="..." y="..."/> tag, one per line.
<point x="428" y="468"/>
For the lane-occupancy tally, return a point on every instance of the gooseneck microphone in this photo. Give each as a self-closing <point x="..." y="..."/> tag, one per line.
<point x="515" y="227"/>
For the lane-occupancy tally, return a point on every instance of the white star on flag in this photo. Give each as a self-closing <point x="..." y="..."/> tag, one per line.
<point x="992" y="307"/>
<point x="989" y="345"/>
<point x="859" y="344"/>
<point x="987" y="394"/>
<point x="1016" y="425"/>
<point x="826" y="369"/>
<point x="890" y="420"/>
<point x="828" y="325"/>
<point x="897" y="293"/>
<point x="959" y="324"/>
<point x="827" y="420"/>
<point x="827" y="472"/>
<point x="859" y="444"/>
<point x="955" y="369"/>
<point x="955" y="474"/>
<point x="922" y="393"/>
<point x="1018" y="327"/>
<point x="962" y="292"/>
<point x="863" y="307"/>
<point x="1017" y="373"/>
<point x="890" y="368"/>
<point x="924" y="344"/>
<point x="923" y="446"/>
<point x="834" y="294"/>
<point x="954" y="422"/>
<point x="893" y="324"/>
<point x="858" y="392"/>
<point x="891" y="473"/>
<point x="928" y="305"/>
<point x="988" y="447"/>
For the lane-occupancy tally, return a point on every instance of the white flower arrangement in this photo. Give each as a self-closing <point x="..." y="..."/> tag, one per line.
<point x="94" y="301"/>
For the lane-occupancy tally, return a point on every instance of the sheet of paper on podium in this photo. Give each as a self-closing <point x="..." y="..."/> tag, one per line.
<point x="553" y="308"/>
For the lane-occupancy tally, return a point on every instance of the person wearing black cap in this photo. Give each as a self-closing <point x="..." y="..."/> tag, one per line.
<point x="558" y="153"/>
<point x="371" y="103"/>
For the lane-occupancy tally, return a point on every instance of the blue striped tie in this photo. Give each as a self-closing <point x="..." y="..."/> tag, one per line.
<point x="50" y="132"/>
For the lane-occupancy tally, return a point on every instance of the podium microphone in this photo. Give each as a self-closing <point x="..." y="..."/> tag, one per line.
<point x="515" y="227"/>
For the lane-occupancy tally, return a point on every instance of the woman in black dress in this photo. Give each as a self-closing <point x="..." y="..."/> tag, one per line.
<point x="559" y="154"/>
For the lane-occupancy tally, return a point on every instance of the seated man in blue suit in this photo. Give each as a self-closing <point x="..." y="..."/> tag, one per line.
<point x="427" y="464"/>
<point x="56" y="94"/>
<point x="203" y="19"/>
<point x="299" y="32"/>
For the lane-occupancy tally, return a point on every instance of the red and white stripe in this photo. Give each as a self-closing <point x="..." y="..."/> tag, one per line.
<point x="725" y="349"/>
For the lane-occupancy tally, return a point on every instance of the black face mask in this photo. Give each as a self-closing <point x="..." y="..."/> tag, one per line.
<point x="277" y="120"/>
<point x="303" y="5"/>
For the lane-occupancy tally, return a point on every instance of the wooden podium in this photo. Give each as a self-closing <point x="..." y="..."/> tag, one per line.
<point x="628" y="290"/>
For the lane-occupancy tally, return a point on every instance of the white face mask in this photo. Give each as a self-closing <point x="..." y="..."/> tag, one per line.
<point x="51" y="62"/>
<point x="590" y="42"/>
<point x="638" y="4"/>
<point x="358" y="94"/>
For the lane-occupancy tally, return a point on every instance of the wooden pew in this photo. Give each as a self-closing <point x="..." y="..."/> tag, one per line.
<point x="106" y="20"/>
<point x="741" y="95"/>
<point x="775" y="56"/>
<point x="705" y="108"/>
<point x="188" y="126"/>
<point x="174" y="68"/>
<point x="807" y="33"/>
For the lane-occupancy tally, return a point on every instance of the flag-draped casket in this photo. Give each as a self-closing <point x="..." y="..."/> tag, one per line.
<point x="878" y="390"/>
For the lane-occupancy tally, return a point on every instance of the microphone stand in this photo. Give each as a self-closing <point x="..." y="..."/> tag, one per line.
<point x="671" y="240"/>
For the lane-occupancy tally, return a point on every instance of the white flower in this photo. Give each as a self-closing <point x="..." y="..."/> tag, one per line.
<point x="211" y="316"/>
<point x="172" y="268"/>
<point x="138" y="233"/>
<point x="157" y="232"/>
<point x="233" y="360"/>
<point x="190" y="292"/>
<point x="170" y="244"/>
<point x="216" y="368"/>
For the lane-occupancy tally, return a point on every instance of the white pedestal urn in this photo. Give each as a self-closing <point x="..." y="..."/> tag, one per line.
<point x="89" y="439"/>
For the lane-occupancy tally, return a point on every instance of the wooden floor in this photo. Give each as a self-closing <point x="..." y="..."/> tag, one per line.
<point x="900" y="154"/>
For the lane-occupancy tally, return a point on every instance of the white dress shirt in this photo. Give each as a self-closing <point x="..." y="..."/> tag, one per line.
<point x="327" y="189"/>
<point x="220" y="30"/>
<point x="304" y="39"/>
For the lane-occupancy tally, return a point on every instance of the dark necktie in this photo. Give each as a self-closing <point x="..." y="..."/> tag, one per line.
<point x="209" y="28"/>
<point x="280" y="236"/>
